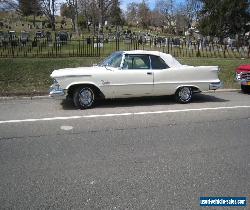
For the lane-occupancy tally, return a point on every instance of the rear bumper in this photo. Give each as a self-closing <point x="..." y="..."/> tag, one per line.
<point x="57" y="93"/>
<point x="215" y="85"/>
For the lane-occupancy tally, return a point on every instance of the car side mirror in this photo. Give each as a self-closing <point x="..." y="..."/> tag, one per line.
<point x="124" y="66"/>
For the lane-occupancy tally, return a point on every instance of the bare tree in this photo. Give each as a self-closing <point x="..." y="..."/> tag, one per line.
<point x="95" y="11"/>
<point x="48" y="8"/>
<point x="115" y="13"/>
<point x="132" y="13"/>
<point x="168" y="11"/>
<point x="89" y="9"/>
<point x="191" y="9"/>
<point x="9" y="5"/>
<point x="84" y="7"/>
<point x="73" y="13"/>
<point x="144" y="14"/>
<point x="157" y="19"/>
<point x="104" y="7"/>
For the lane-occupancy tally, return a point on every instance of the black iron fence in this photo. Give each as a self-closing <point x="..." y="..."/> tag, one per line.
<point x="96" y="47"/>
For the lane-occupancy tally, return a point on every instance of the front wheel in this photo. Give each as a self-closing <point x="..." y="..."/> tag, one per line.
<point x="84" y="97"/>
<point x="183" y="95"/>
<point x="245" y="88"/>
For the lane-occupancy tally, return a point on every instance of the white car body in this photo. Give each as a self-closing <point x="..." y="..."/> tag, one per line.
<point x="119" y="82"/>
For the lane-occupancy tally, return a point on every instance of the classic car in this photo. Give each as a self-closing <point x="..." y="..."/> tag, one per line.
<point x="138" y="73"/>
<point x="243" y="76"/>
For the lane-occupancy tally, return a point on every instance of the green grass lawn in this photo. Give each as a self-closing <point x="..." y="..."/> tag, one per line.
<point x="227" y="66"/>
<point x="31" y="76"/>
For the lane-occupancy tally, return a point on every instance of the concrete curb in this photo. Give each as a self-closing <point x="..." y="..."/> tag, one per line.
<point x="24" y="97"/>
<point x="223" y="90"/>
<point x="48" y="97"/>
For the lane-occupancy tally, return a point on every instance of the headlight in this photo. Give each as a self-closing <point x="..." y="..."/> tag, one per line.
<point x="55" y="81"/>
<point x="238" y="76"/>
<point x="55" y="84"/>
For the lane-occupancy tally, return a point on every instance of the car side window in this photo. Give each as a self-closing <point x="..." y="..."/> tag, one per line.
<point x="157" y="62"/>
<point x="114" y="60"/>
<point x="136" y="62"/>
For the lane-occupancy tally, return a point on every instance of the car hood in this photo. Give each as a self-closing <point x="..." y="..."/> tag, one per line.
<point x="243" y="68"/>
<point x="79" y="71"/>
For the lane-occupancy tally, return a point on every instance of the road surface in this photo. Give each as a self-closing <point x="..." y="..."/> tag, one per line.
<point x="148" y="153"/>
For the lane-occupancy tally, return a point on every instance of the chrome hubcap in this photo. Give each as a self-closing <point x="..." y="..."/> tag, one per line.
<point x="185" y="93"/>
<point x="85" y="97"/>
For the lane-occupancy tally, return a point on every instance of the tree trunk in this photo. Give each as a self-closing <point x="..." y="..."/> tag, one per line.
<point x="76" y="18"/>
<point x="34" y="20"/>
<point x="53" y="16"/>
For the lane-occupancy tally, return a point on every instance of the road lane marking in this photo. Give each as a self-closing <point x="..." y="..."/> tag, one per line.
<point x="122" y="114"/>
<point x="66" y="127"/>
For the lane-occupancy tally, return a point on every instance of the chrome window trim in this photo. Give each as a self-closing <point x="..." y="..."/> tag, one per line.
<point x="123" y="59"/>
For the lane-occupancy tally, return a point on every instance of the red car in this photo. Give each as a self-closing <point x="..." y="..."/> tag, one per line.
<point x="243" y="75"/>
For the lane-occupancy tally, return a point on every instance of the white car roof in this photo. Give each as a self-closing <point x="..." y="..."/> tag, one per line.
<point x="169" y="59"/>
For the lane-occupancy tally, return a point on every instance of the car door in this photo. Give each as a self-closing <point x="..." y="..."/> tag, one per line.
<point x="135" y="78"/>
<point x="163" y="76"/>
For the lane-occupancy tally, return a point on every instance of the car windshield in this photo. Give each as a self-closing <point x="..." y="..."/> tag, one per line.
<point x="114" y="60"/>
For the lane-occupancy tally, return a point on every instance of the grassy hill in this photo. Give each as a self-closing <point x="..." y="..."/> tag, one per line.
<point x="18" y="23"/>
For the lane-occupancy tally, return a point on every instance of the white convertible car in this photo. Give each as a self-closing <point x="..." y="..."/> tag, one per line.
<point x="133" y="74"/>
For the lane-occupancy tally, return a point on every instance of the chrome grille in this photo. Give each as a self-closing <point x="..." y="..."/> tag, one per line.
<point x="245" y="76"/>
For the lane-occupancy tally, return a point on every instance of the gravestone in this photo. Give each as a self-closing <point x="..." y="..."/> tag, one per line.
<point x="38" y="35"/>
<point x="34" y="42"/>
<point x="88" y="40"/>
<point x="24" y="37"/>
<point x="127" y="40"/>
<point x="62" y="38"/>
<point x="48" y="36"/>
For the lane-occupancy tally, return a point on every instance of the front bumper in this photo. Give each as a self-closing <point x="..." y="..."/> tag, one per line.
<point x="245" y="82"/>
<point x="56" y="92"/>
<point x="215" y="85"/>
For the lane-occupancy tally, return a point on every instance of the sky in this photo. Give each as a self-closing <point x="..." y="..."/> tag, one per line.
<point x="151" y="3"/>
<point x="124" y="3"/>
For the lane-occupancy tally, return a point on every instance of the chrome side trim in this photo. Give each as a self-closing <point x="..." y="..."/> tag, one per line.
<point x="85" y="75"/>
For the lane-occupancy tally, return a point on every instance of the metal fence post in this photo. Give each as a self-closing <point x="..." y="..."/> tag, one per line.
<point x="168" y="45"/>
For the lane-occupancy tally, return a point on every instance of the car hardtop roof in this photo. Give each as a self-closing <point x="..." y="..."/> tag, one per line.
<point x="145" y="52"/>
<point x="169" y="59"/>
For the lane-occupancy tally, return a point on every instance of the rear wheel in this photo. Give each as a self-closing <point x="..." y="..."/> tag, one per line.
<point x="183" y="95"/>
<point x="84" y="97"/>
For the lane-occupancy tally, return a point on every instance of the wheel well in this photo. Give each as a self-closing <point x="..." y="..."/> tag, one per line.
<point x="194" y="89"/>
<point x="96" y="90"/>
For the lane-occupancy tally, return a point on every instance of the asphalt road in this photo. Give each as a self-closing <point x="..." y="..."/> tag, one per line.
<point x="148" y="153"/>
